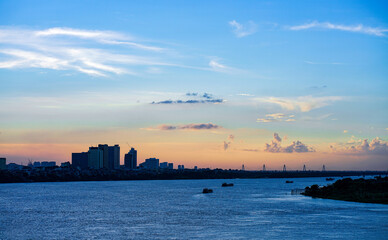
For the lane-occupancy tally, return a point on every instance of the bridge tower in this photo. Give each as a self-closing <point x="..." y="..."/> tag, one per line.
<point x="323" y="168"/>
<point x="284" y="168"/>
<point x="264" y="168"/>
<point x="304" y="168"/>
<point x="243" y="167"/>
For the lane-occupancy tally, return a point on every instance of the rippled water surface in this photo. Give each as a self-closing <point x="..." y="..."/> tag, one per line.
<point x="176" y="209"/>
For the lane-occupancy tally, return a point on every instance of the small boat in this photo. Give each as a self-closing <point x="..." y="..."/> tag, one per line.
<point x="289" y="181"/>
<point x="227" y="185"/>
<point x="207" y="190"/>
<point x="329" y="179"/>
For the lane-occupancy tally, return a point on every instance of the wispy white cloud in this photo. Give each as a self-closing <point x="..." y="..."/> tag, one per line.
<point x="276" y="117"/>
<point x="323" y="63"/>
<point x="217" y="66"/>
<point x="316" y="118"/>
<point x="348" y="28"/>
<point x="64" y="49"/>
<point x="70" y="49"/>
<point x="107" y="37"/>
<point x="243" y="30"/>
<point x="245" y="94"/>
<point x="303" y="104"/>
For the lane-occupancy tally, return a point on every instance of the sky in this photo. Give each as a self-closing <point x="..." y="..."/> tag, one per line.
<point x="210" y="84"/>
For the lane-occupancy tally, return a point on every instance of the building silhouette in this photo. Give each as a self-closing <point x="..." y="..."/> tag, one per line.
<point x="111" y="156"/>
<point x="150" y="163"/>
<point x="48" y="164"/>
<point x="163" y="165"/>
<point x="79" y="160"/>
<point x="170" y="165"/>
<point x="3" y="163"/>
<point x="114" y="157"/>
<point x="95" y="158"/>
<point x="65" y="165"/>
<point x="130" y="159"/>
<point x="105" y="155"/>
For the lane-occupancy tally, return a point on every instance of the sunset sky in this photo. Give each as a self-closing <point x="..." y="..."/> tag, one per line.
<point x="200" y="83"/>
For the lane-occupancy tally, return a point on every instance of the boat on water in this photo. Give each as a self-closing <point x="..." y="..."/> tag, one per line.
<point x="227" y="185"/>
<point x="289" y="181"/>
<point x="329" y="179"/>
<point x="207" y="190"/>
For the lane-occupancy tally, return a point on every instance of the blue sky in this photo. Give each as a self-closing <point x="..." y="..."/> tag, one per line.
<point x="314" y="71"/>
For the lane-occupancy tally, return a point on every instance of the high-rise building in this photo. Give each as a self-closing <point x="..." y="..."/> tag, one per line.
<point x="3" y="163"/>
<point x="163" y="165"/>
<point x="105" y="155"/>
<point x="130" y="159"/>
<point x="111" y="156"/>
<point x="114" y="157"/>
<point x="79" y="160"/>
<point x="95" y="158"/>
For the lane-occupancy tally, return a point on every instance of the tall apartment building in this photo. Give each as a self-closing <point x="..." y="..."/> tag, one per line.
<point x="114" y="157"/>
<point x="3" y="163"/>
<point x="130" y="159"/>
<point x="95" y="158"/>
<point x="111" y="156"/>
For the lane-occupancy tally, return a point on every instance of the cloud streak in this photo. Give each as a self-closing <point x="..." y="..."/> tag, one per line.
<point x="215" y="101"/>
<point x="91" y="52"/>
<point x="201" y="98"/>
<point x="303" y="104"/>
<point x="64" y="49"/>
<point x="276" y="117"/>
<point x="192" y="126"/>
<point x="243" y="30"/>
<point x="380" y="32"/>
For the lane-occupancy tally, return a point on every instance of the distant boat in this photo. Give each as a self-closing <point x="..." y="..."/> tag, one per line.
<point x="289" y="181"/>
<point x="227" y="185"/>
<point x="329" y="179"/>
<point x="207" y="190"/>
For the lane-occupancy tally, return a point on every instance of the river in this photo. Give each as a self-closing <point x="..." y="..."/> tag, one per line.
<point x="177" y="209"/>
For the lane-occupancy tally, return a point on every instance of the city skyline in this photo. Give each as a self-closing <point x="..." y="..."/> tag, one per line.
<point x="209" y="84"/>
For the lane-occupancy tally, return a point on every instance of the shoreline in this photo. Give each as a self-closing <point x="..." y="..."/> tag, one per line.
<point x="75" y="175"/>
<point x="352" y="190"/>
